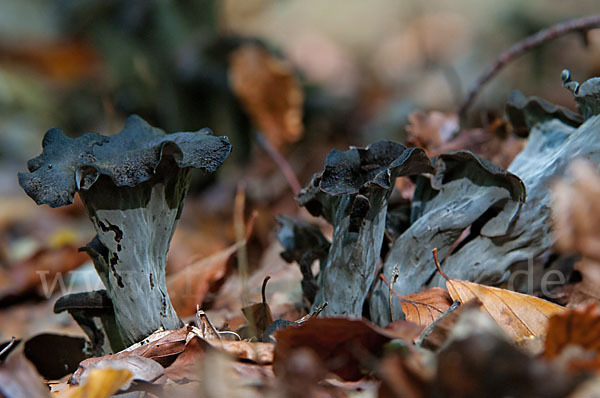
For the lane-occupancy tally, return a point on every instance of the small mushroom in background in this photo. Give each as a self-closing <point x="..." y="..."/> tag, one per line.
<point x="352" y="194"/>
<point x="132" y="185"/>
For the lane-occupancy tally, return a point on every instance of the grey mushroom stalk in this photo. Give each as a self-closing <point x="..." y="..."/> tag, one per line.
<point x="132" y="185"/>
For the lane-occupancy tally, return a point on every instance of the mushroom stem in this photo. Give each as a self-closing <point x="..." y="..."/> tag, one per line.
<point x="134" y="228"/>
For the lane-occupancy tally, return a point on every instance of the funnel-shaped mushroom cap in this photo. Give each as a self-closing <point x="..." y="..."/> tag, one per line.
<point x="128" y="158"/>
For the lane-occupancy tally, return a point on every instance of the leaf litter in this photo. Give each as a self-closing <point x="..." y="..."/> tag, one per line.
<point x="487" y="198"/>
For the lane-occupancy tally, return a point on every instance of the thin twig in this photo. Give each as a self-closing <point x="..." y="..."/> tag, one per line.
<point x="523" y="46"/>
<point x="405" y="300"/>
<point x="433" y="324"/>
<point x="438" y="266"/>
<point x="10" y="344"/>
<point x="279" y="160"/>
<point x="318" y="310"/>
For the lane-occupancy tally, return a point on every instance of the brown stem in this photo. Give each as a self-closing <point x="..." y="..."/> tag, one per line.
<point x="523" y="46"/>
<point x="438" y="266"/>
<point x="264" y="289"/>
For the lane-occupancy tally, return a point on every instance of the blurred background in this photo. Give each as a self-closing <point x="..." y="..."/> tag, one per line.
<point x="310" y="75"/>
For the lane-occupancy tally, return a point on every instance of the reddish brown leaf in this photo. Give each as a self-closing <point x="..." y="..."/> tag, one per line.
<point x="426" y="306"/>
<point x="270" y="92"/>
<point x="186" y="366"/>
<point x="342" y="344"/>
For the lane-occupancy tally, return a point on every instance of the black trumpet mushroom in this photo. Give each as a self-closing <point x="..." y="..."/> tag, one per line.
<point x="132" y="185"/>
<point x="352" y="193"/>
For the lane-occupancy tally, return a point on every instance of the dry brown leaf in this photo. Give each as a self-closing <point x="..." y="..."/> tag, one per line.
<point x="520" y="315"/>
<point x="577" y="326"/>
<point x="426" y="306"/>
<point x="269" y="90"/>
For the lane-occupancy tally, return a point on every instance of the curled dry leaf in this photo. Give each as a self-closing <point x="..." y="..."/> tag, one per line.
<point x="269" y="90"/>
<point x="578" y="326"/>
<point x="425" y="306"/>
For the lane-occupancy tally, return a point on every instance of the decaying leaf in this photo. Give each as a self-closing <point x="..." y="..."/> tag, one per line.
<point x="186" y="366"/>
<point x="425" y="306"/>
<point x="576" y="326"/>
<point x="340" y="343"/>
<point x="270" y="92"/>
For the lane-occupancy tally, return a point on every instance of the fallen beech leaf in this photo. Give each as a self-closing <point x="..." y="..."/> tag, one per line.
<point x="340" y="343"/>
<point x="425" y="306"/>
<point x="520" y="315"/>
<point x="576" y="326"/>
<point x="100" y="383"/>
<point x="269" y="90"/>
